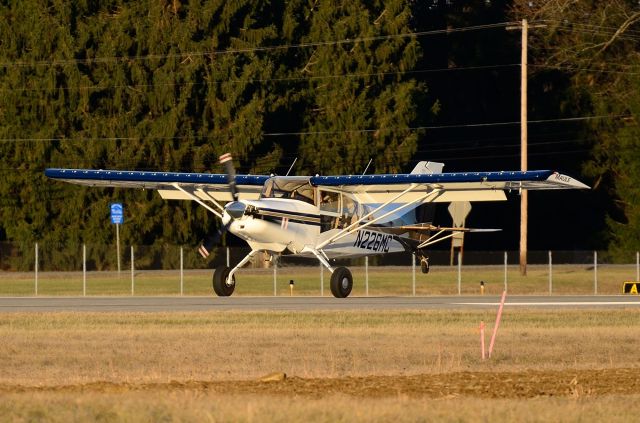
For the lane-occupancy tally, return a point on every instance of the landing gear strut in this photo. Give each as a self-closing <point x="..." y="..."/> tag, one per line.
<point x="224" y="281"/>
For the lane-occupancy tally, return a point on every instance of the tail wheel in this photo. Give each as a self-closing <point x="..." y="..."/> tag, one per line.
<point x="341" y="282"/>
<point x="221" y="286"/>
<point x="424" y="264"/>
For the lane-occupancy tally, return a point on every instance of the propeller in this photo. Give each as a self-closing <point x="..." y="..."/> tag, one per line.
<point x="227" y="161"/>
<point x="234" y="209"/>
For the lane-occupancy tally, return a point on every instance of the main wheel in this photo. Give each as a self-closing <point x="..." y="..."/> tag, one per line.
<point x="341" y="282"/>
<point x="221" y="286"/>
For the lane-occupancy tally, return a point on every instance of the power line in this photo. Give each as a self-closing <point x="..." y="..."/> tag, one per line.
<point x="262" y="80"/>
<point x="345" y="131"/>
<point x="251" y="49"/>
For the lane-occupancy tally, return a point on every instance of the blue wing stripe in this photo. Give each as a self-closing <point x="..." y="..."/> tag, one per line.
<point x="151" y="177"/>
<point x="502" y="176"/>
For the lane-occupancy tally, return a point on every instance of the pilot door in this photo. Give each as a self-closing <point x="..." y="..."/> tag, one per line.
<point x="337" y="211"/>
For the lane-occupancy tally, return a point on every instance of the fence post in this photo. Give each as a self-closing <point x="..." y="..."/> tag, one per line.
<point x="595" y="273"/>
<point x="321" y="280"/>
<point x="413" y="274"/>
<point x="84" y="270"/>
<point x="505" y="270"/>
<point x="275" y="274"/>
<point x="550" y="274"/>
<point x="35" y="268"/>
<point x="366" y="276"/>
<point x="132" y="273"/>
<point x="181" y="271"/>
<point x="459" y="273"/>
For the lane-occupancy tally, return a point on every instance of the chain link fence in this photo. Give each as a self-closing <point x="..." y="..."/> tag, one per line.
<point x="78" y="269"/>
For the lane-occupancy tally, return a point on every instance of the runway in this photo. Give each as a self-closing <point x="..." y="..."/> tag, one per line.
<point x="186" y="304"/>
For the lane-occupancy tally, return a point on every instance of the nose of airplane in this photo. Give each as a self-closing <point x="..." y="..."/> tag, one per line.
<point x="235" y="209"/>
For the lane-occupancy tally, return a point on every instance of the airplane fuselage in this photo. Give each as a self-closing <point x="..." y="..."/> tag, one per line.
<point x="285" y="224"/>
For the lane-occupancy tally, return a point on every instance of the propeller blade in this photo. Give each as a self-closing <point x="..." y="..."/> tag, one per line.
<point x="211" y="241"/>
<point x="227" y="161"/>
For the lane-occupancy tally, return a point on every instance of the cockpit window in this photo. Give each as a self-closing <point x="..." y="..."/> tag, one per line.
<point x="288" y="187"/>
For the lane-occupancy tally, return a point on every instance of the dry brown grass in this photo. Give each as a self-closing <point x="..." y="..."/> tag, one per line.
<point x="45" y="358"/>
<point x="198" y="407"/>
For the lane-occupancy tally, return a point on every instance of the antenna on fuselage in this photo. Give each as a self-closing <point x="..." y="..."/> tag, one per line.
<point x="294" y="162"/>
<point x="368" y="164"/>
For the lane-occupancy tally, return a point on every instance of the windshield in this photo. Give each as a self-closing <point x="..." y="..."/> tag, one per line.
<point x="288" y="187"/>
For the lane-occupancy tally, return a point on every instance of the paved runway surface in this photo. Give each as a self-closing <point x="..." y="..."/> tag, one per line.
<point x="155" y="304"/>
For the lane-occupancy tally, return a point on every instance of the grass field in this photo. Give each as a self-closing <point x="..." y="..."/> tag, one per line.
<point x="576" y="365"/>
<point x="390" y="280"/>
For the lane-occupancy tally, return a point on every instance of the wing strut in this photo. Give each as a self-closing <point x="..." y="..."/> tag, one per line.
<point x="197" y="200"/>
<point x="354" y="226"/>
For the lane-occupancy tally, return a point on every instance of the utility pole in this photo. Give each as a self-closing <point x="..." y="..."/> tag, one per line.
<point x="524" y="195"/>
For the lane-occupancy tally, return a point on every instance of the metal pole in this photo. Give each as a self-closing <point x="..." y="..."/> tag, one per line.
<point x="35" y="268"/>
<point x="366" y="276"/>
<point x="505" y="270"/>
<point x="459" y="273"/>
<point x="84" y="270"/>
<point x="550" y="274"/>
<point x="118" y="246"/>
<point x="413" y="274"/>
<point x="275" y="274"/>
<point x="228" y="257"/>
<point x="321" y="280"/>
<point x="595" y="272"/>
<point x="181" y="271"/>
<point x="132" y="272"/>
<point x="637" y="266"/>
<point x="524" y="197"/>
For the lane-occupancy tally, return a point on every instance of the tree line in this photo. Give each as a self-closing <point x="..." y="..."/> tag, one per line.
<point x="171" y="85"/>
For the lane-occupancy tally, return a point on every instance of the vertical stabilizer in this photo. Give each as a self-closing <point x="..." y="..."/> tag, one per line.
<point x="427" y="168"/>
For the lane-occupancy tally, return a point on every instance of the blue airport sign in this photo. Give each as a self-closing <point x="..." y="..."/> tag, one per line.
<point x="117" y="213"/>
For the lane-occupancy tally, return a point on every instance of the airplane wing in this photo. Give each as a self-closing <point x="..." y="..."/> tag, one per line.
<point x="170" y="185"/>
<point x="392" y="194"/>
<point x="462" y="186"/>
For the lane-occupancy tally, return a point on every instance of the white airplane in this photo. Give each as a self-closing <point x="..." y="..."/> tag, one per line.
<point x="325" y="217"/>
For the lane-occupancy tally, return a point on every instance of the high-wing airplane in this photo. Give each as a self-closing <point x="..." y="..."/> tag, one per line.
<point x="326" y="217"/>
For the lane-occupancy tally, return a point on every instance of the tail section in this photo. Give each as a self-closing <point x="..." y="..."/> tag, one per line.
<point x="425" y="213"/>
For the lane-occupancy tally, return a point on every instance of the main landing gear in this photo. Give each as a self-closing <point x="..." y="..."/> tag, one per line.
<point x="341" y="282"/>
<point x="223" y="286"/>
<point x="224" y="281"/>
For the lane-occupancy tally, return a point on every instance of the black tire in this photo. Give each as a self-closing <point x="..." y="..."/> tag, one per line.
<point x="341" y="282"/>
<point x="220" y="285"/>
